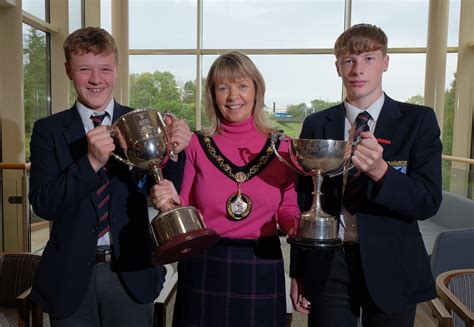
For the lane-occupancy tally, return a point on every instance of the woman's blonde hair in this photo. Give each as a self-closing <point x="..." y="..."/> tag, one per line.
<point x="230" y="67"/>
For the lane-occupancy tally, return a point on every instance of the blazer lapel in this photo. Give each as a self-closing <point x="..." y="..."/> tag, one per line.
<point x="74" y="134"/>
<point x="333" y="127"/>
<point x="387" y="123"/>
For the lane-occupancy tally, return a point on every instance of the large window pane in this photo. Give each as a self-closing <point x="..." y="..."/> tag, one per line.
<point x="271" y="24"/>
<point x="295" y="84"/>
<point x="164" y="24"/>
<point x="404" y="22"/>
<point x="75" y="15"/>
<point x="37" y="105"/>
<point x="448" y="119"/>
<point x="405" y="77"/>
<point x="37" y="8"/>
<point x="453" y="27"/>
<point x="36" y="79"/>
<point x="166" y="83"/>
<point x="106" y="15"/>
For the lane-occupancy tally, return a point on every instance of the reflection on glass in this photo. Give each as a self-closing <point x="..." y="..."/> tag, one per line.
<point x="271" y="24"/>
<point x="404" y="22"/>
<point x="296" y="86"/>
<point x="458" y="180"/>
<point x="75" y="15"/>
<point x="164" y="24"/>
<point x="166" y="83"/>
<point x="36" y="8"/>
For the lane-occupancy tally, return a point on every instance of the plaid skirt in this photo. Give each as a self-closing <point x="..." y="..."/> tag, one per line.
<point x="234" y="283"/>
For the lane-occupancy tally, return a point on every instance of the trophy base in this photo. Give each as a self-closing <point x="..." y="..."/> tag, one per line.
<point x="182" y="245"/>
<point x="311" y="243"/>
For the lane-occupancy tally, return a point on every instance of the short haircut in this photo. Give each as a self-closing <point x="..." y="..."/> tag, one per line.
<point x="231" y="66"/>
<point x="361" y="38"/>
<point x="93" y="40"/>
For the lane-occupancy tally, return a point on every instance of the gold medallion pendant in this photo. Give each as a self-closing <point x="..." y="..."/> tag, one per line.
<point x="238" y="205"/>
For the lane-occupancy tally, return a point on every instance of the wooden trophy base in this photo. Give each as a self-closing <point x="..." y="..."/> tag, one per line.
<point x="182" y="245"/>
<point x="311" y="243"/>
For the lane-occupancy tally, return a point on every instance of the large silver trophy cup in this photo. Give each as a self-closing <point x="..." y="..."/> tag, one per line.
<point x="178" y="230"/>
<point x="316" y="158"/>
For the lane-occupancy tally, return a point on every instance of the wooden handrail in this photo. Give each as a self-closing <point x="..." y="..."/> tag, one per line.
<point x="458" y="159"/>
<point x="15" y="165"/>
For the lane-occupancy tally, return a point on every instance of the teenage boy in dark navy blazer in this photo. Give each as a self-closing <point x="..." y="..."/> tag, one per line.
<point x="93" y="274"/>
<point x="382" y="271"/>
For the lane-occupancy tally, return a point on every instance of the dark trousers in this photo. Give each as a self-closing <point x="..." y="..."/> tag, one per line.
<point x="345" y="296"/>
<point x="107" y="304"/>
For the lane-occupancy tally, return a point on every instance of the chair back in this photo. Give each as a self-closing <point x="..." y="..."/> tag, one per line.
<point x="453" y="249"/>
<point x="462" y="287"/>
<point x="17" y="273"/>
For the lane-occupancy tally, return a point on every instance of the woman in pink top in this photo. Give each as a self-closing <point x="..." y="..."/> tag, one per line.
<point x="245" y="194"/>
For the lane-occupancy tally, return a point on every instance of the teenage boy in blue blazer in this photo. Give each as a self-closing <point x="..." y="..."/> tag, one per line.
<point x="382" y="271"/>
<point x="96" y="268"/>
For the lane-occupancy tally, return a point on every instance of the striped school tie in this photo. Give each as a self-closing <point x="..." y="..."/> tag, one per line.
<point x="102" y="194"/>
<point x="354" y="183"/>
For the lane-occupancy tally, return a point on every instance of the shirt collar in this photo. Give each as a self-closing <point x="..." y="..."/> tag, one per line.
<point x="86" y="113"/>
<point x="374" y="109"/>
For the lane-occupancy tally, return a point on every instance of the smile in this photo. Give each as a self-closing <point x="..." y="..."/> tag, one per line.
<point x="235" y="106"/>
<point x="95" y="90"/>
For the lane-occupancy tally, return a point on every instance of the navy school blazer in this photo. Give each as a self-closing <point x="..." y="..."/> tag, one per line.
<point x="62" y="187"/>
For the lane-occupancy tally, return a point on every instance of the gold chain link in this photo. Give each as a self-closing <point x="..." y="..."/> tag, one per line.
<point x="226" y="167"/>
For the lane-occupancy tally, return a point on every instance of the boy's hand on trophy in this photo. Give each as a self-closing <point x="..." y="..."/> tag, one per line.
<point x="163" y="195"/>
<point x="99" y="146"/>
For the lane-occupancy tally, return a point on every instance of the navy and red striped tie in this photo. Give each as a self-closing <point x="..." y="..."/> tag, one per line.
<point x="102" y="194"/>
<point x="354" y="185"/>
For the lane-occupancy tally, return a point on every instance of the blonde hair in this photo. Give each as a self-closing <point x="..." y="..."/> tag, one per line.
<point x="361" y="38"/>
<point x="232" y="66"/>
<point x="93" y="40"/>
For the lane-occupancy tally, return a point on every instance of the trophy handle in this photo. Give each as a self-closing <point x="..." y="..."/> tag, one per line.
<point x="173" y="155"/>
<point x="280" y="136"/>
<point x="113" y="133"/>
<point x="347" y="165"/>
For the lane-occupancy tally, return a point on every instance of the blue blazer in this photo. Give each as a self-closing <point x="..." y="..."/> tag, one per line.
<point x="62" y="187"/>
<point x="394" y="259"/>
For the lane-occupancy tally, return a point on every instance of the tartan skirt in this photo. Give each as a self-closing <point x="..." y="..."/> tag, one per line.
<point x="234" y="283"/>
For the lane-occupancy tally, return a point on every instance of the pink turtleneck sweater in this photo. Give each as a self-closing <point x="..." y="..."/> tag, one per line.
<point x="272" y="191"/>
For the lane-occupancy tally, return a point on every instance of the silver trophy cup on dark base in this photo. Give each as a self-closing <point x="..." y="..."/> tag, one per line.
<point x="178" y="230"/>
<point x="316" y="158"/>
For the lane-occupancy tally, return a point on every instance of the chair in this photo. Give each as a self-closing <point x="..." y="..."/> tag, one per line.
<point x="456" y="290"/>
<point x="17" y="272"/>
<point x="452" y="250"/>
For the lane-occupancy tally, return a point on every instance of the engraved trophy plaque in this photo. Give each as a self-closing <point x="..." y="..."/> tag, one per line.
<point x="316" y="158"/>
<point x="178" y="230"/>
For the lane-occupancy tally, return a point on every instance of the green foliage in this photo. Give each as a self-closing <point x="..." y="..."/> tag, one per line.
<point x="302" y="110"/>
<point x="160" y="91"/>
<point x="416" y="99"/>
<point x="448" y="118"/>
